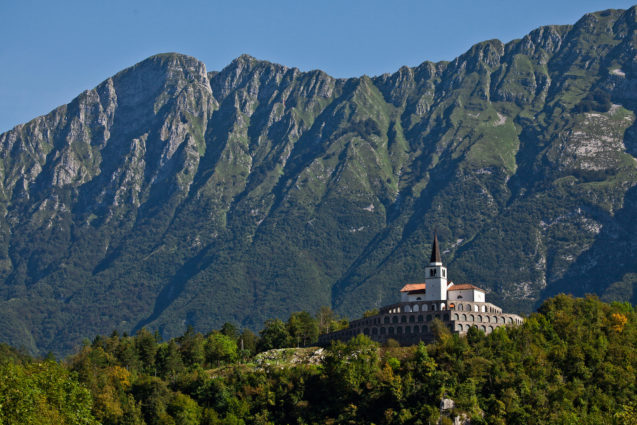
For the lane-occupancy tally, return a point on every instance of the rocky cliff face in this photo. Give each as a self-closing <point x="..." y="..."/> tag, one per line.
<point x="169" y="195"/>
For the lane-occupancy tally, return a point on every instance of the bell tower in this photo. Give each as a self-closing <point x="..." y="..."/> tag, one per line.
<point x="436" y="275"/>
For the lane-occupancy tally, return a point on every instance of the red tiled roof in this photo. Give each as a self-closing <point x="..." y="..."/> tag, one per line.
<point x="410" y="287"/>
<point x="464" y="286"/>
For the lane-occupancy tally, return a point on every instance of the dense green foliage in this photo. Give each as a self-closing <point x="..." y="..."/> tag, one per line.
<point x="573" y="362"/>
<point x="169" y="196"/>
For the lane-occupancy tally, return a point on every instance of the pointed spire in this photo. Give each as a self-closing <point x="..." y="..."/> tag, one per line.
<point x="435" y="251"/>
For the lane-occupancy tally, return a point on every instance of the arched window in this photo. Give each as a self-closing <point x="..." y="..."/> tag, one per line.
<point x="472" y="318"/>
<point x="488" y="319"/>
<point x="424" y="307"/>
<point x="416" y="329"/>
<point x="416" y="308"/>
<point x="429" y="318"/>
<point x="391" y="331"/>
<point x="420" y="318"/>
<point x="442" y="306"/>
<point x="475" y="307"/>
<point x="460" y="307"/>
<point x="467" y="307"/>
<point x="433" y="307"/>
<point x="386" y="319"/>
<point x="399" y="330"/>
<point x="403" y="319"/>
<point x="483" y="329"/>
<point x="407" y="309"/>
<point x="394" y="319"/>
<point x="412" y="319"/>
<point x="458" y="327"/>
<point x="382" y="331"/>
<point x="455" y="316"/>
<point x="374" y="331"/>
<point x="479" y="318"/>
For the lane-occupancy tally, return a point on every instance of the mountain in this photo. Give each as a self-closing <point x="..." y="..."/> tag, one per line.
<point x="170" y="196"/>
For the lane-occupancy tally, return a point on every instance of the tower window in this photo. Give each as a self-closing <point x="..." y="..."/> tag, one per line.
<point x="432" y="272"/>
<point x="443" y="273"/>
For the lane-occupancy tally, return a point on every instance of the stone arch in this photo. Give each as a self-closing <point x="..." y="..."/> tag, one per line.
<point x="464" y="317"/>
<point x="460" y="307"/>
<point x="502" y="319"/>
<point x="483" y="308"/>
<point x="488" y="319"/>
<point x="472" y="318"/>
<point x="479" y="318"/>
<point x="483" y="328"/>
<point x="490" y="329"/>
<point x="467" y="307"/>
<point x="510" y="320"/>
<point x="455" y="316"/>
<point x="495" y="319"/>
<point x="476" y="308"/>
<point x="446" y="317"/>
<point x="458" y="327"/>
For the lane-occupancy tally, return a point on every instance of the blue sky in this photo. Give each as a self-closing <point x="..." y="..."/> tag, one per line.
<point x="51" y="51"/>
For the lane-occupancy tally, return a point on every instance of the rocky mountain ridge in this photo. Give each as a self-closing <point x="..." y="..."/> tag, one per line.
<point x="171" y="196"/>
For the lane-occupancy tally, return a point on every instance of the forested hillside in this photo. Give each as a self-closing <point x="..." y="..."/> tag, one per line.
<point x="573" y="362"/>
<point x="170" y="196"/>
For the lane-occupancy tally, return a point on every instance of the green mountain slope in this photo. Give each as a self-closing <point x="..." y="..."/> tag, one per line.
<point x="171" y="196"/>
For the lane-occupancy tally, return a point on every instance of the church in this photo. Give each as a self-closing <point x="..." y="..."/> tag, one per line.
<point x="458" y="306"/>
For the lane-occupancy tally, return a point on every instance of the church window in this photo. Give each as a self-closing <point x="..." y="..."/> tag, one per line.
<point x="432" y="272"/>
<point x="472" y="318"/>
<point x="443" y="273"/>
